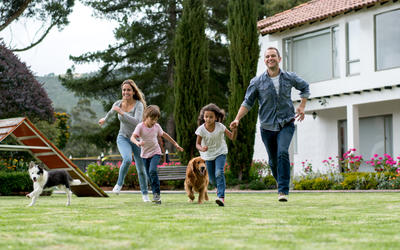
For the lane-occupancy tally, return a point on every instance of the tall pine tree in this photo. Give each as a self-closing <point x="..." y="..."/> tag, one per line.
<point x="191" y="74"/>
<point x="244" y="52"/>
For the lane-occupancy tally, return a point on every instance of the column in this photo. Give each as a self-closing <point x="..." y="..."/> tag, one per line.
<point x="353" y="127"/>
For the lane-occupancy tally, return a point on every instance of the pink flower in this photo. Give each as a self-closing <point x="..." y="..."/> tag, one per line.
<point x="353" y="149"/>
<point x="375" y="155"/>
<point x="330" y="158"/>
<point x="380" y="158"/>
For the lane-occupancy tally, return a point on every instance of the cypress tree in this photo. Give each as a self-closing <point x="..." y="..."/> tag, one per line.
<point x="244" y="52"/>
<point x="191" y="74"/>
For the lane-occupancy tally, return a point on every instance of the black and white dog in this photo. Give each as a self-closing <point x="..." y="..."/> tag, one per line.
<point x="45" y="179"/>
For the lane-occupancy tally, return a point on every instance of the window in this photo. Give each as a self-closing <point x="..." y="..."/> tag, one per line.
<point x="313" y="56"/>
<point x="353" y="48"/>
<point x="376" y="137"/>
<point x="387" y="37"/>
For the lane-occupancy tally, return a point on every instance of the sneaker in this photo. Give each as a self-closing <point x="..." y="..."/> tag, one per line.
<point x="220" y="201"/>
<point x="146" y="198"/>
<point x="157" y="198"/>
<point x="117" y="189"/>
<point x="282" y="197"/>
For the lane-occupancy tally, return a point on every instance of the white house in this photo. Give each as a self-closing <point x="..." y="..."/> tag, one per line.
<point x="349" y="52"/>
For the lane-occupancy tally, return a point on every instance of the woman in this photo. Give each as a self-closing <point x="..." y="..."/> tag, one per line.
<point x="130" y="113"/>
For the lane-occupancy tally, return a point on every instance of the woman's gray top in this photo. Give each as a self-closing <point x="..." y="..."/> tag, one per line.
<point x="129" y="120"/>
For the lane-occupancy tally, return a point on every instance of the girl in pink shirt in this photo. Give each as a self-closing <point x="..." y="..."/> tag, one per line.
<point x="149" y="131"/>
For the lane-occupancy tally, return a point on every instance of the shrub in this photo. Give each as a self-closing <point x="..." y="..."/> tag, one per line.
<point x="270" y="182"/>
<point x="385" y="163"/>
<point x="257" y="185"/>
<point x="12" y="164"/>
<point x="258" y="169"/>
<point x="14" y="183"/>
<point x="107" y="175"/>
<point x="321" y="183"/>
<point x="350" y="161"/>
<point x="357" y="181"/>
<point x="303" y="184"/>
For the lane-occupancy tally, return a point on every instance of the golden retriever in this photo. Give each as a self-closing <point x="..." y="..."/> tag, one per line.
<point x="196" y="179"/>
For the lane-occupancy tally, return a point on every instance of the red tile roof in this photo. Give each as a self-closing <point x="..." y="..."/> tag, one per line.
<point x="311" y="11"/>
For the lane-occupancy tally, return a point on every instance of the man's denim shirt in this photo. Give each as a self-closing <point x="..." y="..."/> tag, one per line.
<point x="274" y="110"/>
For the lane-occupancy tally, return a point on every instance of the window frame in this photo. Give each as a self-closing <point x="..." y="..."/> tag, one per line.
<point x="288" y="59"/>
<point x="375" y="42"/>
<point x="348" y="61"/>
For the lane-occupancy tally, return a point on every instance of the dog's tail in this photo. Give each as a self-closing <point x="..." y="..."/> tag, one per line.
<point x="75" y="182"/>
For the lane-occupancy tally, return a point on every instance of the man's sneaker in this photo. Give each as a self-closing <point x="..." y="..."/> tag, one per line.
<point x="157" y="198"/>
<point x="146" y="198"/>
<point x="220" y="201"/>
<point x="117" y="189"/>
<point x="282" y="197"/>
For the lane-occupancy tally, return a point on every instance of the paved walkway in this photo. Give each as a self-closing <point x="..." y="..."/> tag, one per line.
<point x="233" y="191"/>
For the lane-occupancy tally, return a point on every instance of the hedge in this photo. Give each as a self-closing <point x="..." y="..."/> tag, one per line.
<point x="15" y="183"/>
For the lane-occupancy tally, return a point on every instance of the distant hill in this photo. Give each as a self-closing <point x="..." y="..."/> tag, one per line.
<point x="64" y="99"/>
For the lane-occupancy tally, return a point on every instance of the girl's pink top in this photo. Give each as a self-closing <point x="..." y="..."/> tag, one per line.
<point x="149" y="137"/>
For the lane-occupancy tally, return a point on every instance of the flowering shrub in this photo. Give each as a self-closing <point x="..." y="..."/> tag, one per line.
<point x="12" y="164"/>
<point x="391" y="183"/>
<point x="351" y="162"/>
<point x="385" y="163"/>
<point x="107" y="174"/>
<point x="346" y="181"/>
<point x="259" y="169"/>
<point x="331" y="165"/>
<point x="307" y="167"/>
<point x="170" y="164"/>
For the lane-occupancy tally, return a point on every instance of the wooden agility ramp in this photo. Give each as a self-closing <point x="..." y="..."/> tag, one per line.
<point x="30" y="139"/>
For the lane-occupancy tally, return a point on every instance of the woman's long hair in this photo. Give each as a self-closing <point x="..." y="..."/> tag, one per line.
<point x="219" y="113"/>
<point x="138" y="93"/>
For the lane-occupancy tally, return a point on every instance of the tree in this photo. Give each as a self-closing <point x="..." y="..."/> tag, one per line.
<point x="80" y="143"/>
<point x="244" y="51"/>
<point x="49" y="13"/>
<point x="20" y="93"/>
<point x="191" y="82"/>
<point x="271" y="7"/>
<point x="143" y="52"/>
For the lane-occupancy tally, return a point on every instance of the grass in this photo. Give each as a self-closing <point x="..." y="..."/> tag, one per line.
<point x="248" y="221"/>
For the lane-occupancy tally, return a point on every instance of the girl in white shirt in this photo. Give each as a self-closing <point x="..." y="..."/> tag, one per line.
<point x="212" y="146"/>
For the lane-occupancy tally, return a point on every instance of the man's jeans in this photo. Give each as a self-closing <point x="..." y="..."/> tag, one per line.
<point x="277" y="145"/>
<point x="126" y="147"/>
<point x="151" y="170"/>
<point x="216" y="175"/>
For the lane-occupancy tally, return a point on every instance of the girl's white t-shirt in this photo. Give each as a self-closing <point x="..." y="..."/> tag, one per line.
<point x="215" y="141"/>
<point x="149" y="137"/>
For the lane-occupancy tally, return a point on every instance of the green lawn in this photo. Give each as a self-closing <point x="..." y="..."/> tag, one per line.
<point x="248" y="221"/>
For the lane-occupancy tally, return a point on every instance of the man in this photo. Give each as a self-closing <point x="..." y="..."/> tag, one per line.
<point x="272" y="89"/>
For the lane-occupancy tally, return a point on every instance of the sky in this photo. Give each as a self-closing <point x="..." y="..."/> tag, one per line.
<point x="84" y="33"/>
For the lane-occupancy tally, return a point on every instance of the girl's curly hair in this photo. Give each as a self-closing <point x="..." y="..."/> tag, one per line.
<point x="219" y="113"/>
